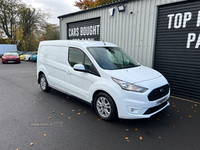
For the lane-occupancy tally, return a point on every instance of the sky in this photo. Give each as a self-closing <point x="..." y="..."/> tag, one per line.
<point x="55" y="7"/>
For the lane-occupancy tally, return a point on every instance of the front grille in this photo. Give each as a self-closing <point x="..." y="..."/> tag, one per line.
<point x="154" y="109"/>
<point x="158" y="93"/>
<point x="10" y="59"/>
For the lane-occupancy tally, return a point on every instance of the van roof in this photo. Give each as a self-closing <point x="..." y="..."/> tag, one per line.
<point x="81" y="43"/>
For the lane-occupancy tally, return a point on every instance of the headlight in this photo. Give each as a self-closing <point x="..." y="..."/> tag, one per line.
<point x="130" y="87"/>
<point x="17" y="57"/>
<point x="3" y="57"/>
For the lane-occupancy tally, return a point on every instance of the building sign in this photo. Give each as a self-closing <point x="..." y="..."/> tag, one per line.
<point x="84" y="30"/>
<point x="182" y="20"/>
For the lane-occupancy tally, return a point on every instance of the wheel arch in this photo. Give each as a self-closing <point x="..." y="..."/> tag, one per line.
<point x="39" y="74"/>
<point x="102" y="91"/>
<point x="41" y="70"/>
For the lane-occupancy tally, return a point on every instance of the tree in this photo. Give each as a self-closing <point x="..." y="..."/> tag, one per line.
<point x="84" y="4"/>
<point x="8" y="18"/>
<point x="1" y="34"/>
<point x="20" y="24"/>
<point x="4" y="41"/>
<point x="51" y="32"/>
<point x="30" y="20"/>
<point x="87" y="4"/>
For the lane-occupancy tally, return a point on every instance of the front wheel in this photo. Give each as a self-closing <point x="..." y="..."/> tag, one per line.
<point x="44" y="84"/>
<point x="105" y="107"/>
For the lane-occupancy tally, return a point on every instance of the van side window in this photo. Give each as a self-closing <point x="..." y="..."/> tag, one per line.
<point x="87" y="64"/>
<point x="75" y="56"/>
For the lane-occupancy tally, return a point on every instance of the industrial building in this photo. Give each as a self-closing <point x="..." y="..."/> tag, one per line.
<point x="161" y="34"/>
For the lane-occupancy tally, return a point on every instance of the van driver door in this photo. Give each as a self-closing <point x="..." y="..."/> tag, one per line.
<point x="78" y="83"/>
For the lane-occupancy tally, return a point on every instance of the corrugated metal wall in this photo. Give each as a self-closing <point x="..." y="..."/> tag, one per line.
<point x="135" y="32"/>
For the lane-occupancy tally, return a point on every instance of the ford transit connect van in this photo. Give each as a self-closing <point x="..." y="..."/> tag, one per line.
<point x="104" y="76"/>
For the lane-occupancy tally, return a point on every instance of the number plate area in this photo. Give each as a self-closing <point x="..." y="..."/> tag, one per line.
<point x="162" y="101"/>
<point x="10" y="61"/>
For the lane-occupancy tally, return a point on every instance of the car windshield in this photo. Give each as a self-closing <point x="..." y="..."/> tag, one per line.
<point x="112" y="58"/>
<point x="11" y="54"/>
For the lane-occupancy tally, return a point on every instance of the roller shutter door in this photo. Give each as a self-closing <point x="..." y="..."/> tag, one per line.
<point x="177" y="49"/>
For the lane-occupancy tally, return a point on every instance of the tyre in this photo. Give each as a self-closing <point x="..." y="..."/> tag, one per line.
<point x="105" y="107"/>
<point x="44" y="84"/>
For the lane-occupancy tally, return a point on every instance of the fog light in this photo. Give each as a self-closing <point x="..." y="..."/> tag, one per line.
<point x="133" y="110"/>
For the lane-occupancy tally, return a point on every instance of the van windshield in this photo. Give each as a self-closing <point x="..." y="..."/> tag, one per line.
<point x="112" y="58"/>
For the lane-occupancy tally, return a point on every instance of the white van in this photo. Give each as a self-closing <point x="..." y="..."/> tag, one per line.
<point x="104" y="76"/>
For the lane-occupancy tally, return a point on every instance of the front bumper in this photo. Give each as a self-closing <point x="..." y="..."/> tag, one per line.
<point x="10" y="61"/>
<point x="134" y="109"/>
<point x="135" y="105"/>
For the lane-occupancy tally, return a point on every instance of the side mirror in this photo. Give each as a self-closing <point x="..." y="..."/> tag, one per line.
<point x="79" y="67"/>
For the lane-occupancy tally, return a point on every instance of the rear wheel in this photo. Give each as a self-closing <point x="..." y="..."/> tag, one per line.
<point x="105" y="107"/>
<point x="44" y="84"/>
